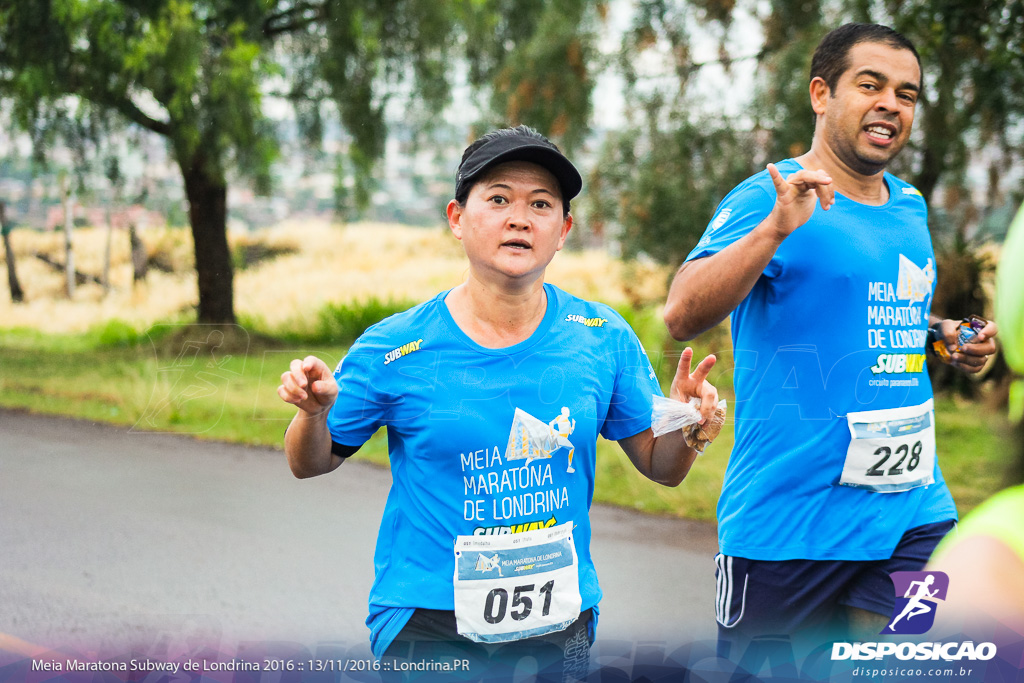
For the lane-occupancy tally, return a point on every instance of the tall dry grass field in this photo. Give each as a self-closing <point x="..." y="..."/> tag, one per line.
<point x="329" y="264"/>
<point x="48" y="309"/>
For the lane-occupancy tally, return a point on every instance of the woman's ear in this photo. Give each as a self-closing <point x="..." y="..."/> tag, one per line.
<point x="454" y="212"/>
<point x="566" y="227"/>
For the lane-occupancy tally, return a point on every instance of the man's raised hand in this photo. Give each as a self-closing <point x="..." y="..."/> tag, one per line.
<point x="796" y="195"/>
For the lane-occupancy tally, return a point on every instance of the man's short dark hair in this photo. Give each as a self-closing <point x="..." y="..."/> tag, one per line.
<point x="462" y="193"/>
<point x="832" y="56"/>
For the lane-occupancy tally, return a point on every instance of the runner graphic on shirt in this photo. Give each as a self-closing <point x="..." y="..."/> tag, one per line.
<point x="563" y="426"/>
<point x="916" y="605"/>
<point x="532" y="439"/>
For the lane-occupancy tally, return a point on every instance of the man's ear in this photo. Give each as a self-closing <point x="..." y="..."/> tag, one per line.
<point x="820" y="94"/>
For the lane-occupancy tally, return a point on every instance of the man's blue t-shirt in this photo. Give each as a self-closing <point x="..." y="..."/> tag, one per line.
<point x="836" y="324"/>
<point x="448" y="405"/>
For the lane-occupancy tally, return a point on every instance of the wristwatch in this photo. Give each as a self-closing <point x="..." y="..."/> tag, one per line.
<point x="937" y="342"/>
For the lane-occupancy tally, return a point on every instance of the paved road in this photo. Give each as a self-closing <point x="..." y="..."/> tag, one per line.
<point x="110" y="537"/>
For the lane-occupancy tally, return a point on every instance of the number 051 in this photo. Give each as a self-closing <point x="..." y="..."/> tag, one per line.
<point x="496" y="605"/>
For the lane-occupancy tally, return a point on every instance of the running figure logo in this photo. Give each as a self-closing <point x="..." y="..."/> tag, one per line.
<point x="486" y="564"/>
<point x="914" y="612"/>
<point x="532" y="439"/>
<point x="562" y="426"/>
<point x="195" y="383"/>
<point x="913" y="283"/>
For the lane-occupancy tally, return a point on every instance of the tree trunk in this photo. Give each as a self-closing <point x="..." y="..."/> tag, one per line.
<point x="938" y="122"/>
<point x="69" y="226"/>
<point x="140" y="259"/>
<point x="207" y="198"/>
<point x="106" y="251"/>
<point x="17" y="295"/>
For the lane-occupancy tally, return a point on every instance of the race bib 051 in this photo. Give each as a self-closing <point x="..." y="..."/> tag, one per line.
<point x="516" y="586"/>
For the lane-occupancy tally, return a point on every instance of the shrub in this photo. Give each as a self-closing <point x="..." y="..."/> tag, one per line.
<point x="116" y="332"/>
<point x="342" y="323"/>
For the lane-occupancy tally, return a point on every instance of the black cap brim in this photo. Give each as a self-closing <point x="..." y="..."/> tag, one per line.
<point x="520" y="148"/>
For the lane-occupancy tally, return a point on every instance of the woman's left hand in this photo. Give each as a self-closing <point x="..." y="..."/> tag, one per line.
<point x="686" y="385"/>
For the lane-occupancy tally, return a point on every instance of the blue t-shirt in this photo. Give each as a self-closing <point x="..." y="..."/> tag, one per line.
<point x="449" y="404"/>
<point x="836" y="324"/>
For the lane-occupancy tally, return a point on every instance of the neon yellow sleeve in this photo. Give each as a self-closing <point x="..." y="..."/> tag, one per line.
<point x="1010" y="294"/>
<point x="1001" y="517"/>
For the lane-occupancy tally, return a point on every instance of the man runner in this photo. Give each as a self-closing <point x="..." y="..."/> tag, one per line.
<point x="833" y="482"/>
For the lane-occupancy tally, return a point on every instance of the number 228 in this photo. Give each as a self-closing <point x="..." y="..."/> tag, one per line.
<point x="902" y="451"/>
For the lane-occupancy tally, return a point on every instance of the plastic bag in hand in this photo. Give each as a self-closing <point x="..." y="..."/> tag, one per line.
<point x="668" y="415"/>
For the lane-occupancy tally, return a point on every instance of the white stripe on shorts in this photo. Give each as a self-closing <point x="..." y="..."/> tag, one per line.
<point x="724" y="592"/>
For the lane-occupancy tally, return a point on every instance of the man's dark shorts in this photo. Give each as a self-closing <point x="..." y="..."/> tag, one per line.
<point x="757" y="598"/>
<point x="431" y="638"/>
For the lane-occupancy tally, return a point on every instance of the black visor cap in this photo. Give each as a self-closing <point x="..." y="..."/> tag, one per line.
<point x="520" y="148"/>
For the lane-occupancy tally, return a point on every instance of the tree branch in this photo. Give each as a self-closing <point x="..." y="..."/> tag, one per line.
<point x="295" y="96"/>
<point x="292" y="11"/>
<point x="123" y="105"/>
<point x="130" y="111"/>
<point x="82" y="86"/>
<point x="80" y="277"/>
<point x="697" y="66"/>
<point x="295" y="18"/>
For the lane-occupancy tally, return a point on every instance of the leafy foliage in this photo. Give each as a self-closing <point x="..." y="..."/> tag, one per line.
<point x="658" y="181"/>
<point x="342" y="323"/>
<point x="197" y="72"/>
<point x="972" y="56"/>
<point x="669" y="179"/>
<point x="546" y="81"/>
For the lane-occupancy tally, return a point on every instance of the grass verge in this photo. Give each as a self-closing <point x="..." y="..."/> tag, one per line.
<point x="216" y="383"/>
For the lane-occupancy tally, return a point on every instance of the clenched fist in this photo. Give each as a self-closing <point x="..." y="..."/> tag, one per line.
<point x="309" y="385"/>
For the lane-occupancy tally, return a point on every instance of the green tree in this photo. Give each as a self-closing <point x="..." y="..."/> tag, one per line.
<point x="663" y="197"/>
<point x="197" y="72"/>
<point x="972" y="105"/>
<point x="546" y="81"/>
<point x="660" y="178"/>
<point x="971" y="111"/>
